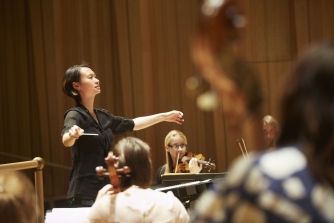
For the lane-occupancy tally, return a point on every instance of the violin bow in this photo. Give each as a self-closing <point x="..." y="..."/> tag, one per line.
<point x="243" y="148"/>
<point x="243" y="142"/>
<point x="177" y="160"/>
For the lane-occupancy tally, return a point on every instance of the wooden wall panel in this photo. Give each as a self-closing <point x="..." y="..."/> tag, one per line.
<point x="321" y="19"/>
<point x="123" y="38"/>
<point x="136" y="58"/>
<point x="261" y="71"/>
<point x="254" y="43"/>
<point x="185" y="29"/>
<point x="328" y="18"/>
<point x="220" y="147"/>
<point x="158" y="68"/>
<point x="277" y="71"/>
<point x="50" y="79"/>
<point x="147" y="66"/>
<point x="278" y="32"/>
<point x="301" y="24"/>
<point x="3" y="89"/>
<point x="12" y="40"/>
<point x="172" y="58"/>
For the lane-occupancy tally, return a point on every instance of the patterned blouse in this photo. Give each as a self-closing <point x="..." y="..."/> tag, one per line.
<point x="275" y="186"/>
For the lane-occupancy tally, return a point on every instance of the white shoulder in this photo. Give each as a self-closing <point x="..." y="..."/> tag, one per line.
<point x="281" y="163"/>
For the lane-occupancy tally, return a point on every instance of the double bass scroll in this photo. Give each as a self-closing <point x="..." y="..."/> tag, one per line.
<point x="214" y="53"/>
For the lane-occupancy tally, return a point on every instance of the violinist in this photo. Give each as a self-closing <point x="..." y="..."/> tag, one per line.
<point x="135" y="202"/>
<point x="271" y="131"/>
<point x="176" y="149"/>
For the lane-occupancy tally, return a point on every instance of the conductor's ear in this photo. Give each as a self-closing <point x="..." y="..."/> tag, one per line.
<point x="76" y="85"/>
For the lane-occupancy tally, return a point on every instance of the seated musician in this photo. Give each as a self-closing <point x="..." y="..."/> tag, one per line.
<point x="17" y="198"/>
<point x="135" y="202"/>
<point x="271" y="131"/>
<point x="176" y="148"/>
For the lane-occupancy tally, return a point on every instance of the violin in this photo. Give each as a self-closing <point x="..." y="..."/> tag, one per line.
<point x="183" y="163"/>
<point x="113" y="173"/>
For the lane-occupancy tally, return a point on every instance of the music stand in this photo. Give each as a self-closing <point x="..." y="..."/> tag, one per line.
<point x="190" y="193"/>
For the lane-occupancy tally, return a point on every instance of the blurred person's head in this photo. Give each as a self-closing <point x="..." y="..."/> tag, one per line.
<point x="271" y="130"/>
<point x="135" y="154"/>
<point x="17" y="198"/>
<point x="307" y="109"/>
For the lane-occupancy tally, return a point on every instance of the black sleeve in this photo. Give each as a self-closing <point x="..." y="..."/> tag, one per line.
<point x="120" y="125"/>
<point x="117" y="124"/>
<point x="72" y="118"/>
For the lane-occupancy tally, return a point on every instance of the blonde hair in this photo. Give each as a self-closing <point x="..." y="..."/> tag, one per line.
<point x="172" y="134"/>
<point x="272" y="122"/>
<point x="17" y="198"/>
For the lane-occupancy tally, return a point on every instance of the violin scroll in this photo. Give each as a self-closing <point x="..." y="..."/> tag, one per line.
<point x="211" y="164"/>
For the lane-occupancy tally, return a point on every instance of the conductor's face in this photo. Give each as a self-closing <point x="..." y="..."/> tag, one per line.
<point x="89" y="85"/>
<point x="269" y="134"/>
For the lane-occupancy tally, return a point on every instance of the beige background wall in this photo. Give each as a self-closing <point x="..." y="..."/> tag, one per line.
<point x="139" y="50"/>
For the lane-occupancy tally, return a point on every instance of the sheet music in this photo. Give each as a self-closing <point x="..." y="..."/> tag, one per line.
<point x="67" y="215"/>
<point x="184" y="185"/>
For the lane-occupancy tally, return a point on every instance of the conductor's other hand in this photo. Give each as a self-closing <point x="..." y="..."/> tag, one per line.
<point x="174" y="116"/>
<point x="75" y="132"/>
<point x="194" y="166"/>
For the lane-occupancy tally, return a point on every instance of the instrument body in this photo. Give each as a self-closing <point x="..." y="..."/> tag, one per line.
<point x="183" y="163"/>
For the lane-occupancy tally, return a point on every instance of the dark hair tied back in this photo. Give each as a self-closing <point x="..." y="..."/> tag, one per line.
<point x="72" y="75"/>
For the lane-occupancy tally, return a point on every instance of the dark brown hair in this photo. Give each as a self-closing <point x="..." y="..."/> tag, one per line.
<point x="17" y="198"/>
<point x="72" y="75"/>
<point x="135" y="154"/>
<point x="307" y="110"/>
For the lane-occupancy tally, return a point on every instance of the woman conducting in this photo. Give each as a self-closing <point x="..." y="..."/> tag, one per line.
<point x="89" y="151"/>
